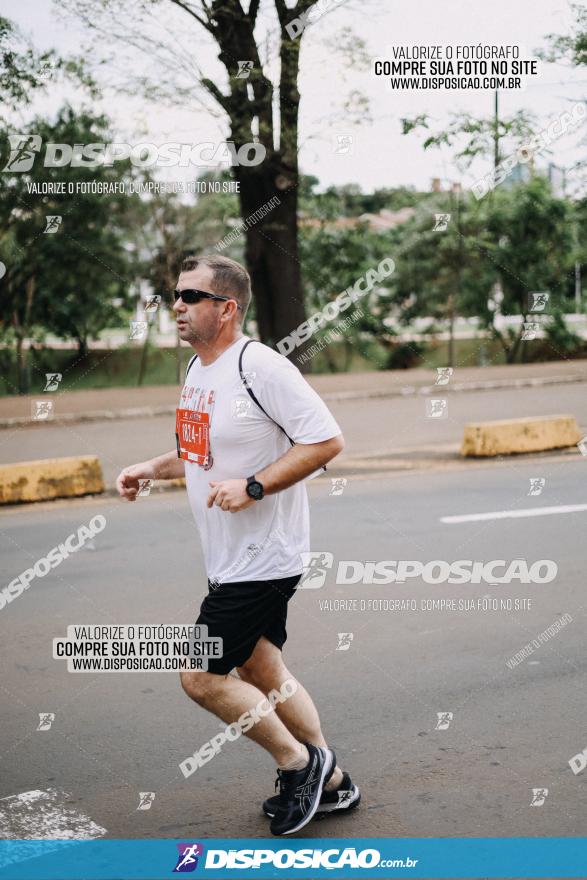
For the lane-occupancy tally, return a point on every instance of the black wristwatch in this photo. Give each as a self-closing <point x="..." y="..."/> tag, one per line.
<point x="254" y="488"/>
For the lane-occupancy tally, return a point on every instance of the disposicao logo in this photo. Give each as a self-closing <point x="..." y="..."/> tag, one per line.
<point x="187" y="860"/>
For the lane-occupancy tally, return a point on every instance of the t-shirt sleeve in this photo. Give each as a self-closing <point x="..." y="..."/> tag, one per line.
<point x="289" y="399"/>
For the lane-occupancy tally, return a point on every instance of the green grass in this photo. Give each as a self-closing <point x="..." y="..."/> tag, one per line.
<point x="119" y="368"/>
<point x="372" y="356"/>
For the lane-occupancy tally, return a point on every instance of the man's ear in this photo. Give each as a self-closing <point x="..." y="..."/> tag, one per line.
<point x="230" y="309"/>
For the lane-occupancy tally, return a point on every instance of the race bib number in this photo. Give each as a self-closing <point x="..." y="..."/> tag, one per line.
<point x="192" y="433"/>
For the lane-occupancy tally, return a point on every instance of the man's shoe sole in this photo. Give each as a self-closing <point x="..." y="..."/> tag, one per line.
<point x="334" y="808"/>
<point x="309" y="816"/>
<point x="353" y="803"/>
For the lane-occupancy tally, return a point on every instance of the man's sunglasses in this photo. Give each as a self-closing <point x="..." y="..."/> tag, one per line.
<point x="189" y="297"/>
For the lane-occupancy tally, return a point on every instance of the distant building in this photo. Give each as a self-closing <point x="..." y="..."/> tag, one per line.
<point x="436" y="186"/>
<point x="523" y="173"/>
<point x="385" y="219"/>
<point x="519" y="174"/>
<point x="381" y="222"/>
<point x="558" y="180"/>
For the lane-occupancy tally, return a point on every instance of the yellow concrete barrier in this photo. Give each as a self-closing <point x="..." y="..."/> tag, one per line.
<point x="519" y="435"/>
<point x="50" y="478"/>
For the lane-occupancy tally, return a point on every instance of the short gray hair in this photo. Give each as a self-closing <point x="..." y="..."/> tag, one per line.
<point x="229" y="278"/>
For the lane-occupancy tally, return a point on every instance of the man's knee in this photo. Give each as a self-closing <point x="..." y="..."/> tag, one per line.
<point x="264" y="669"/>
<point x="246" y="674"/>
<point x="199" y="686"/>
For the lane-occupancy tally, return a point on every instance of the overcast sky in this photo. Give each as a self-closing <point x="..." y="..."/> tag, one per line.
<point x="381" y="156"/>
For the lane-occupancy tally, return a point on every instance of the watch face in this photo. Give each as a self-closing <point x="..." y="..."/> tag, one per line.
<point x="255" y="490"/>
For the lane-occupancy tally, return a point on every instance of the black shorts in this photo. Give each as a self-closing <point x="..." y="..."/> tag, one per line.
<point x="240" y="613"/>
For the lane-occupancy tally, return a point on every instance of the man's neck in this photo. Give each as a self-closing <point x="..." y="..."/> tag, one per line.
<point x="209" y="352"/>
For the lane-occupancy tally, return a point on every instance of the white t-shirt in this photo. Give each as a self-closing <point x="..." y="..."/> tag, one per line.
<point x="265" y="540"/>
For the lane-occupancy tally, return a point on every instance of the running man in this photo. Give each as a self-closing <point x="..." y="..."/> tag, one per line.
<point x="249" y="431"/>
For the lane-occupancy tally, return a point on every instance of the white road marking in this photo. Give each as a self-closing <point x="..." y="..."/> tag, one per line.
<point x="45" y="815"/>
<point x="514" y="514"/>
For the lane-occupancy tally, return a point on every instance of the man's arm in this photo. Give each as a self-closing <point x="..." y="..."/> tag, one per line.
<point x="294" y="465"/>
<point x="164" y="467"/>
<point x="298" y="462"/>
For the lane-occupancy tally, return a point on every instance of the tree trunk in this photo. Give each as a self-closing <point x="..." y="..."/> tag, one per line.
<point x="144" y="355"/>
<point x="348" y="355"/>
<point x="330" y="359"/>
<point x="513" y="350"/>
<point x="20" y="329"/>
<point x="271" y="251"/>
<point x="451" y="330"/>
<point x="20" y="366"/>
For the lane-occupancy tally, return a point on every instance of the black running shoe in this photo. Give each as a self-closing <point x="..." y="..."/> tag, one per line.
<point x="346" y="797"/>
<point x="300" y="791"/>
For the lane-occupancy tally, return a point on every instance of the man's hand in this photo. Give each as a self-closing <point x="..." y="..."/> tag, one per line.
<point x="129" y="479"/>
<point x="230" y="495"/>
<point x="165" y="467"/>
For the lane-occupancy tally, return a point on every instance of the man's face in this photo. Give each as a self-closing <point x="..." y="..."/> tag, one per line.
<point x="201" y="321"/>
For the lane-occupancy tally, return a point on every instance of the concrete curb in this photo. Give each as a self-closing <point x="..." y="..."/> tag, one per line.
<point x="371" y="467"/>
<point x="97" y="415"/>
<point x="514" y="436"/>
<point x="458" y="387"/>
<point x="404" y="391"/>
<point x="50" y="478"/>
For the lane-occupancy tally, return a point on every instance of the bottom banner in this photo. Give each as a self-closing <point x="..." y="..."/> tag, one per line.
<point x="481" y="857"/>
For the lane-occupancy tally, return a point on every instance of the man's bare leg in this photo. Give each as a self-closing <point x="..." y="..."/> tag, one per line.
<point x="266" y="671"/>
<point x="228" y="698"/>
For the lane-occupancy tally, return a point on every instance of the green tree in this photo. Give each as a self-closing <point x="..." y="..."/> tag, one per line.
<point x="73" y="282"/>
<point x="334" y="259"/>
<point x="442" y="267"/>
<point x="571" y="48"/>
<point x="476" y="136"/>
<point x="24" y="71"/>
<point x="261" y="106"/>
<point x="169" y="229"/>
<point x="534" y="251"/>
<point x="525" y="222"/>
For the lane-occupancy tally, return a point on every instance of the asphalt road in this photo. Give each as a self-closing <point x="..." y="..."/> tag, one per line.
<point x="370" y="426"/>
<point x="115" y="735"/>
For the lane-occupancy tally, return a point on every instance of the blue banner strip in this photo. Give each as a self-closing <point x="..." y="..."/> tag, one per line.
<point x="509" y="857"/>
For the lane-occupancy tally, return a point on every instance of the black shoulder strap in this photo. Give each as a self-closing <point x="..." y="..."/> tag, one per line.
<point x="263" y="410"/>
<point x="252" y="394"/>
<point x="246" y="384"/>
<point x="189" y="366"/>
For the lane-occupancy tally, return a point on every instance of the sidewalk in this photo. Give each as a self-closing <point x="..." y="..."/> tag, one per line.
<point x="112" y="403"/>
